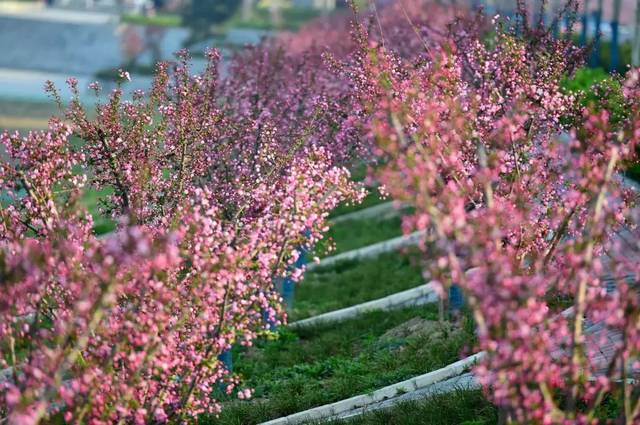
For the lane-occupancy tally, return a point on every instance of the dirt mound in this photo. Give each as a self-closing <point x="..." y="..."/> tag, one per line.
<point x="421" y="327"/>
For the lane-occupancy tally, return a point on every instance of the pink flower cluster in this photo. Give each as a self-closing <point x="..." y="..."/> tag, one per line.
<point x="214" y="186"/>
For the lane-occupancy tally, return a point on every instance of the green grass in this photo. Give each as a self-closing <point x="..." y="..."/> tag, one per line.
<point x="604" y="57"/>
<point x="90" y="200"/>
<point x="159" y="20"/>
<point x="598" y="90"/>
<point x="372" y="199"/>
<point x="315" y="366"/>
<point x="354" y="234"/>
<point x="292" y="19"/>
<point x="463" y="407"/>
<point x="624" y="56"/>
<point x="353" y="282"/>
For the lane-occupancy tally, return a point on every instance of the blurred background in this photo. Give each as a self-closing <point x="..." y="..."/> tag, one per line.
<point x="91" y="39"/>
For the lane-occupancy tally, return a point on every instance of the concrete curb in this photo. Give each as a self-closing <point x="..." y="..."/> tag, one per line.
<point x="465" y="381"/>
<point x="420" y="295"/>
<point x="386" y="393"/>
<point x="372" y="250"/>
<point x="423" y="294"/>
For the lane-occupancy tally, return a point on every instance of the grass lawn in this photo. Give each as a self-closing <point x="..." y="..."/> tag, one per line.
<point x="597" y="89"/>
<point x="354" y="234"/>
<point x="292" y="19"/>
<point x="159" y="19"/>
<point x="373" y="198"/>
<point x="90" y="199"/>
<point x="457" y="408"/>
<point x="314" y="366"/>
<point x="353" y="282"/>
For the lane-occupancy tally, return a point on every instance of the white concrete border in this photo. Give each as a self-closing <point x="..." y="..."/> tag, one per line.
<point x="362" y="401"/>
<point x="420" y="295"/>
<point x="371" y="250"/>
<point x="462" y="382"/>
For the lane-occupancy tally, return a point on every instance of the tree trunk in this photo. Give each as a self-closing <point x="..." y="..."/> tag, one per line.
<point x="555" y="12"/>
<point x="615" y="25"/>
<point x="595" y="54"/>
<point x="585" y="23"/>
<point x="635" y="54"/>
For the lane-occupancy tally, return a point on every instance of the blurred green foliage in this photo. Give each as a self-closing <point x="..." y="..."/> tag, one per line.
<point x="598" y="90"/>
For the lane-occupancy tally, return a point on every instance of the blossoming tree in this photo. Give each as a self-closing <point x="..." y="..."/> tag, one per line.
<point x="519" y="191"/>
<point x="127" y="328"/>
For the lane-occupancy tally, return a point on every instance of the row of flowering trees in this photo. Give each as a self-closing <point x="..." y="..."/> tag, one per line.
<point x="214" y="183"/>
<point x="216" y="180"/>
<point x="519" y="190"/>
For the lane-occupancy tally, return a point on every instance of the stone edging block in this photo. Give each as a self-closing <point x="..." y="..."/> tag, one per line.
<point x="361" y="401"/>
<point x="376" y="249"/>
<point x="416" y="296"/>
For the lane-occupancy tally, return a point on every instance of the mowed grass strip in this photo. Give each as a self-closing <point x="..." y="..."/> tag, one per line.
<point x="353" y="282"/>
<point x="373" y="198"/>
<point x="315" y="366"/>
<point x="354" y="234"/>
<point x="90" y="200"/>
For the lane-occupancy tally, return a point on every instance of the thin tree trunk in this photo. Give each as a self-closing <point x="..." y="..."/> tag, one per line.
<point x="555" y="11"/>
<point x="585" y="23"/>
<point x="615" y="26"/>
<point x="635" y="54"/>
<point x="595" y="54"/>
<point x="538" y="13"/>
